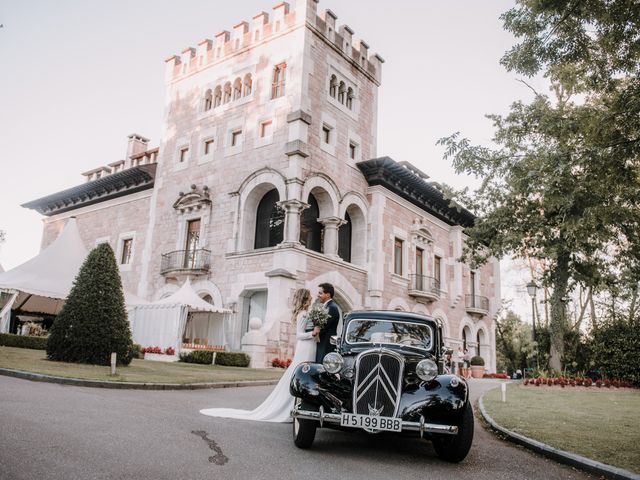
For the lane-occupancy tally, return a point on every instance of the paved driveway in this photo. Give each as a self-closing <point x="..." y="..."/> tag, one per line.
<point x="49" y="431"/>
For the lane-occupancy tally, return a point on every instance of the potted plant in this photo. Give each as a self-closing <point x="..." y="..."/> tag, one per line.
<point x="477" y="366"/>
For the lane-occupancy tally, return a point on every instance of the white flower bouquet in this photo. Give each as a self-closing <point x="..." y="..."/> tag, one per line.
<point x="318" y="316"/>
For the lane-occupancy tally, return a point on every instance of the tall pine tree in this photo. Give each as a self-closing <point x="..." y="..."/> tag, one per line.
<point x="93" y="322"/>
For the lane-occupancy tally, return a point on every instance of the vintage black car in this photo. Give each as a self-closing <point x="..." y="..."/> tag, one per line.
<point x="388" y="373"/>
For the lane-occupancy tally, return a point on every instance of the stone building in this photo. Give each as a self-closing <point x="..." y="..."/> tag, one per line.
<point x="267" y="179"/>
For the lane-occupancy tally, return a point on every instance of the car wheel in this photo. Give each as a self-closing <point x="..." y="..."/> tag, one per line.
<point x="454" y="448"/>
<point x="304" y="432"/>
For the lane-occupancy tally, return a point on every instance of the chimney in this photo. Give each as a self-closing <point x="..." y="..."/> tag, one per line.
<point x="137" y="144"/>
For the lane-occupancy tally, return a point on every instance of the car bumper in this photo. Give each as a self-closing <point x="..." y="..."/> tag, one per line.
<point x="334" y="418"/>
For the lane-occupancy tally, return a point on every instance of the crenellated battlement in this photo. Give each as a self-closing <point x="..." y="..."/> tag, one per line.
<point x="244" y="35"/>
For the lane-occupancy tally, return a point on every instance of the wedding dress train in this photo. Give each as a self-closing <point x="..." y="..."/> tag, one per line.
<point x="278" y="405"/>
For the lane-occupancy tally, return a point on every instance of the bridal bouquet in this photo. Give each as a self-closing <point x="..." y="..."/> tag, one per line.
<point x="318" y="315"/>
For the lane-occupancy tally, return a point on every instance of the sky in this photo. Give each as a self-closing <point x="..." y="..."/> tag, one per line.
<point x="77" y="77"/>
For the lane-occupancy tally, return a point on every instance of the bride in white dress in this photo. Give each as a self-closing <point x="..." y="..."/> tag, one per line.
<point x="278" y="405"/>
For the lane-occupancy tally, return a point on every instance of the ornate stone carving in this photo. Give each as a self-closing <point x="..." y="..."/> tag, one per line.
<point x="194" y="200"/>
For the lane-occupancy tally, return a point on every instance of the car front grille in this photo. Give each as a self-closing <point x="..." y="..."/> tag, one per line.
<point x="378" y="383"/>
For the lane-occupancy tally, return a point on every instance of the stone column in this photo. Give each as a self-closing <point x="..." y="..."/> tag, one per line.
<point x="331" y="226"/>
<point x="293" y="208"/>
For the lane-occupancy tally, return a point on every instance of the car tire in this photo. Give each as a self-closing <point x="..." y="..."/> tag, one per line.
<point x="304" y="432"/>
<point x="454" y="448"/>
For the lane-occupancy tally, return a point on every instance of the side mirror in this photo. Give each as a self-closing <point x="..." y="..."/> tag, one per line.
<point x="334" y="340"/>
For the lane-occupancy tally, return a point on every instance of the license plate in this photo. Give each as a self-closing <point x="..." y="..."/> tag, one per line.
<point x="371" y="422"/>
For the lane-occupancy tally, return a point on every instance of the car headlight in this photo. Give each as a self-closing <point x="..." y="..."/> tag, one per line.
<point x="426" y="369"/>
<point x="332" y="362"/>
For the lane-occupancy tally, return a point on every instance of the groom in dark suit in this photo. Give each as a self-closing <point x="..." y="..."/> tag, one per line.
<point x="325" y="296"/>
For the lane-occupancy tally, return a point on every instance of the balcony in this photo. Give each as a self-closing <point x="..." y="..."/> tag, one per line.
<point x="185" y="262"/>
<point x="477" y="305"/>
<point x="427" y="288"/>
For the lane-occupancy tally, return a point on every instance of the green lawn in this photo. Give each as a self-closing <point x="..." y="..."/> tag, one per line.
<point x="139" y="371"/>
<point x="600" y="424"/>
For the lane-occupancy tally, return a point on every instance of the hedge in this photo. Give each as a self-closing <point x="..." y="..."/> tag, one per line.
<point x="205" y="357"/>
<point x="23" y="341"/>
<point x="233" y="359"/>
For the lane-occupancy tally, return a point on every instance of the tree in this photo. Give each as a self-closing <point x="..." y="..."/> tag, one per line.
<point x="93" y="321"/>
<point x="514" y="346"/>
<point x="565" y="167"/>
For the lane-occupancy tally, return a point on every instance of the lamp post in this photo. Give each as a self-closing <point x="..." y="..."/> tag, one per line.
<point x="531" y="290"/>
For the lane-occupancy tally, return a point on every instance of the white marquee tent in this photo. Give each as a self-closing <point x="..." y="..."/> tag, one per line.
<point x="181" y="315"/>
<point x="41" y="285"/>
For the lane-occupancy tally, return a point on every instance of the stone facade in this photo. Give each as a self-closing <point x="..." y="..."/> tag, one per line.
<point x="288" y="102"/>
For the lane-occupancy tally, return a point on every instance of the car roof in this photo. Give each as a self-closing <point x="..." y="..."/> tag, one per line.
<point x="390" y="315"/>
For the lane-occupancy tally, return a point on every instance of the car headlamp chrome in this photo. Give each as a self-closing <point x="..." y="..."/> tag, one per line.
<point x="332" y="362"/>
<point x="426" y="369"/>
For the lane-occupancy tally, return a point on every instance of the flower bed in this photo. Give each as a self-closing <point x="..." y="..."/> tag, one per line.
<point x="563" y="382"/>
<point x="496" y="375"/>
<point x="156" y="354"/>
<point x="280" y="363"/>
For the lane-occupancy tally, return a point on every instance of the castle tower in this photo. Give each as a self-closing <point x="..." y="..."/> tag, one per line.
<point x="257" y="178"/>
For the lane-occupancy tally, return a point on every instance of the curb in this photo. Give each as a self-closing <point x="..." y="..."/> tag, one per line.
<point x="80" y="382"/>
<point x="561" y="456"/>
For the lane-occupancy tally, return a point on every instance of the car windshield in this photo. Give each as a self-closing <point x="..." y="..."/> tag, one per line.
<point x="386" y="331"/>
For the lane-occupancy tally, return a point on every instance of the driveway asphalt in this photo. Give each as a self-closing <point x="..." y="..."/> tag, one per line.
<point x="51" y="431"/>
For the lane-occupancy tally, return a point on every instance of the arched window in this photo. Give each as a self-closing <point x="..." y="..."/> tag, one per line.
<point x="344" y="239"/>
<point x="217" y="97"/>
<point x="208" y="100"/>
<point x="311" y="231"/>
<point x="226" y="98"/>
<point x="269" y="221"/>
<point x="248" y="84"/>
<point x="333" y="86"/>
<point x="350" y="98"/>
<point x="341" y="92"/>
<point x="237" y="89"/>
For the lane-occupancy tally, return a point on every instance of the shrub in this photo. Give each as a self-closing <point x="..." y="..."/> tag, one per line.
<point x="233" y="359"/>
<point x="170" y="351"/>
<point x="616" y="349"/>
<point x="204" y="357"/>
<point x="23" y="341"/>
<point x="136" y="351"/>
<point x="477" y="361"/>
<point x="93" y="321"/>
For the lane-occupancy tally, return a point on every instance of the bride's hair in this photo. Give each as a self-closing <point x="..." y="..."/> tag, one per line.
<point x="301" y="298"/>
